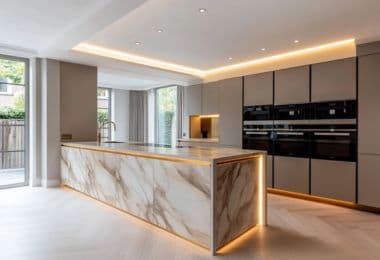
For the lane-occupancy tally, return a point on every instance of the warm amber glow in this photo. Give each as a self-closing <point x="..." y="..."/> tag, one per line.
<point x="209" y="116"/>
<point x="128" y="57"/>
<point x="211" y="73"/>
<point x="262" y="197"/>
<point x="231" y="246"/>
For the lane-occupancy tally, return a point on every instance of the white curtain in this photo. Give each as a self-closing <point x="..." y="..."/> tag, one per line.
<point x="180" y="97"/>
<point x="138" y="117"/>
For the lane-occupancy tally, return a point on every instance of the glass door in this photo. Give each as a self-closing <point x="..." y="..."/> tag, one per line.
<point x="14" y="86"/>
<point x="166" y="115"/>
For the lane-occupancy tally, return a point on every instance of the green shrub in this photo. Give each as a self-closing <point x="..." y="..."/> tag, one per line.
<point x="11" y="113"/>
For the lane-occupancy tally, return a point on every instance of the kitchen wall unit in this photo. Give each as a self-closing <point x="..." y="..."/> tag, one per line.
<point x="292" y="86"/>
<point x="230" y="111"/>
<point x="369" y="130"/>
<point x="258" y="89"/>
<point x="78" y="85"/>
<point x="333" y="179"/>
<point x="333" y="80"/>
<point x="291" y="174"/>
<point x="193" y="100"/>
<point x="210" y="98"/>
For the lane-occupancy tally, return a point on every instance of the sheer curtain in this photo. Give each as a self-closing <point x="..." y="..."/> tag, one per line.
<point x="180" y="97"/>
<point x="138" y="117"/>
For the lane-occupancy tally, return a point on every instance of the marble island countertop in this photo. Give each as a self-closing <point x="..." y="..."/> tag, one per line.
<point x="181" y="152"/>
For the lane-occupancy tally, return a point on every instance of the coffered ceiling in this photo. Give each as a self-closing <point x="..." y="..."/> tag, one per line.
<point x="175" y="32"/>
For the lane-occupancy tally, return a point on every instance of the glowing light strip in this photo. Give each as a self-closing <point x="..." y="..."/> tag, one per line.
<point x="280" y="56"/>
<point x="261" y="205"/>
<point x="124" y="56"/>
<point x="209" y="116"/>
<point x="128" y="57"/>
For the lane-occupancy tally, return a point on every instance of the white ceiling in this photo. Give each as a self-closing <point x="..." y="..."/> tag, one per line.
<point x="237" y="29"/>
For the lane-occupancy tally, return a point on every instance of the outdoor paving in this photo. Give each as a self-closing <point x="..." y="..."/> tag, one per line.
<point x="11" y="176"/>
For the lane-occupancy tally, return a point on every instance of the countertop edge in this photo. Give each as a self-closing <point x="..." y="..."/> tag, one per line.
<point x="144" y="154"/>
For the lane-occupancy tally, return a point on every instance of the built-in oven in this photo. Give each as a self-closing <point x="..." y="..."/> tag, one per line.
<point x="333" y="129"/>
<point x="258" y="113"/>
<point x="334" y="142"/>
<point x="258" y="136"/>
<point x="258" y="128"/>
<point x="291" y="140"/>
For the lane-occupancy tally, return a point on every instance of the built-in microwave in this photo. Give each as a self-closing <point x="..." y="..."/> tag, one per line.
<point x="292" y="112"/>
<point x="258" y="113"/>
<point x="334" y="110"/>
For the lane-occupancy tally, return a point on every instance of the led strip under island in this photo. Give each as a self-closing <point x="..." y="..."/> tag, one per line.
<point x="209" y="197"/>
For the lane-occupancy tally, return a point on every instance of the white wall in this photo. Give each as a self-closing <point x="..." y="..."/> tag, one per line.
<point x="120" y="114"/>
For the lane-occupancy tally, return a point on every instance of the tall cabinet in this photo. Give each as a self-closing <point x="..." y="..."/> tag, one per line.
<point x="230" y="112"/>
<point x="292" y="86"/>
<point x="258" y="90"/>
<point x="369" y="130"/>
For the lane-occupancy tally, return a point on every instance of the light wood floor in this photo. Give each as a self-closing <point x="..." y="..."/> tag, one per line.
<point x="37" y="223"/>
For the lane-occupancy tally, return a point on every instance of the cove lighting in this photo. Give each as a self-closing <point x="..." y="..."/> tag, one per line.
<point x="209" y="116"/>
<point x="128" y="57"/>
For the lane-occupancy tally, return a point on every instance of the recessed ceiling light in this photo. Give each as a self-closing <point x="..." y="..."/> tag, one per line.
<point x="296" y="41"/>
<point x="160" y="30"/>
<point x="230" y="58"/>
<point x="137" y="43"/>
<point x="202" y="10"/>
<point x="263" y="49"/>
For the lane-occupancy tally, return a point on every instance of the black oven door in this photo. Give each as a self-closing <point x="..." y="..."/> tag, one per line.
<point x="334" y="146"/>
<point x="258" y="140"/>
<point x="290" y="143"/>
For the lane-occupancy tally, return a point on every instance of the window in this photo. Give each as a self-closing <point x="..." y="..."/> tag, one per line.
<point x="166" y="115"/>
<point x="104" y="112"/>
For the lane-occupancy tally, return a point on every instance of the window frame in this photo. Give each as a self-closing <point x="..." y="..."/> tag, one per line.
<point x="109" y="112"/>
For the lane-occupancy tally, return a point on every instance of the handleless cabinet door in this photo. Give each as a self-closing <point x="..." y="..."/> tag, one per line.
<point x="291" y="174"/>
<point x="258" y="89"/>
<point x="333" y="80"/>
<point x="192" y="106"/>
<point x="292" y="86"/>
<point x="210" y="98"/>
<point x="333" y="179"/>
<point x="369" y="180"/>
<point x="369" y="104"/>
<point x="193" y="100"/>
<point x="230" y="111"/>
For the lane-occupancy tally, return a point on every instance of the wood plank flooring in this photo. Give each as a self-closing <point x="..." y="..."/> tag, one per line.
<point x="50" y="224"/>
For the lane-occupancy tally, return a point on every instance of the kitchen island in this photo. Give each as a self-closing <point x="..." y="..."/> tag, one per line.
<point x="209" y="196"/>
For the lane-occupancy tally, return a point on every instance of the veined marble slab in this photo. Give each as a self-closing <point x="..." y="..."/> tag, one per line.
<point x="236" y="201"/>
<point x="206" y="195"/>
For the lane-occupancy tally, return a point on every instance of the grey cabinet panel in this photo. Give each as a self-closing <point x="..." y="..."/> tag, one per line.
<point x="291" y="174"/>
<point x="369" y="180"/>
<point x="193" y="100"/>
<point x="369" y="104"/>
<point x="333" y="80"/>
<point x="292" y="85"/>
<point x="269" y="169"/>
<point x="258" y="89"/>
<point x="333" y="179"/>
<point x="230" y="111"/>
<point x="210" y="98"/>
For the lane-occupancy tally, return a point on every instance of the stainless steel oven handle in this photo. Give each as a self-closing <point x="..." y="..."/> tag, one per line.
<point x="331" y="134"/>
<point x="290" y="133"/>
<point x="256" y="133"/>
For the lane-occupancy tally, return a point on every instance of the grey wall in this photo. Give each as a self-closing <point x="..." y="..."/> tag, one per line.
<point x="78" y="101"/>
<point x="120" y="114"/>
<point x="50" y="123"/>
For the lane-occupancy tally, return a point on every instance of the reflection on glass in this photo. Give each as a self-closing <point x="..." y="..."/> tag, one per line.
<point x="167" y="115"/>
<point x="12" y="122"/>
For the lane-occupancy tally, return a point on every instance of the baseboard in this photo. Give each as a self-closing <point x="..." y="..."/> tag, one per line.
<point x="51" y="183"/>
<point x="314" y="198"/>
